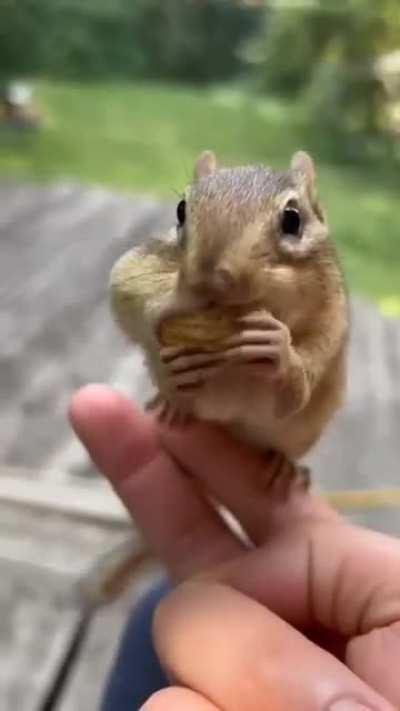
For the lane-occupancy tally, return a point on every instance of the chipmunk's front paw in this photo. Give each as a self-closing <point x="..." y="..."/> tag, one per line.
<point x="285" y="477"/>
<point x="186" y="371"/>
<point x="264" y="343"/>
<point x="172" y="413"/>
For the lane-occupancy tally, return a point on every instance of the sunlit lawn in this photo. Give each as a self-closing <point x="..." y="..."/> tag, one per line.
<point x="144" y="138"/>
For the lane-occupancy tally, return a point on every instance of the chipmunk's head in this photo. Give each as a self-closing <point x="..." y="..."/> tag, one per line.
<point x="245" y="232"/>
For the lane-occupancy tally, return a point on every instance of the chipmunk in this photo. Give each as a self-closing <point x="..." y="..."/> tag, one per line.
<point x="252" y="243"/>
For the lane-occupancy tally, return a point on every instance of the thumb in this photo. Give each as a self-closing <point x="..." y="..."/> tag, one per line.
<point x="239" y="655"/>
<point x="177" y="699"/>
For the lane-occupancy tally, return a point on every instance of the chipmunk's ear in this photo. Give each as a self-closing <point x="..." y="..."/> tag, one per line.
<point x="303" y="163"/>
<point x="205" y="165"/>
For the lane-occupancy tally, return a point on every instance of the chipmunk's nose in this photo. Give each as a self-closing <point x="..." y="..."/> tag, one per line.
<point x="222" y="280"/>
<point x="220" y="285"/>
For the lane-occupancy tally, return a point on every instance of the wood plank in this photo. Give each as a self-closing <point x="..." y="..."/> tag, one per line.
<point x="40" y="618"/>
<point x="35" y="628"/>
<point x="86" y="685"/>
<point x="43" y="560"/>
<point x="51" y="566"/>
<point x="92" y="500"/>
<point x="57" y="331"/>
<point x="384" y="519"/>
<point x="361" y="448"/>
<point x="20" y="200"/>
<point x="130" y="377"/>
<point x="54" y="542"/>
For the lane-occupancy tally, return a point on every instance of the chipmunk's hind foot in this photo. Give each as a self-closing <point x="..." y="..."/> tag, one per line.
<point x="286" y="477"/>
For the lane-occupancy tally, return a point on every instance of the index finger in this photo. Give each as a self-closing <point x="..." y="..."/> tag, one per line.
<point x="178" y="523"/>
<point x="240" y="478"/>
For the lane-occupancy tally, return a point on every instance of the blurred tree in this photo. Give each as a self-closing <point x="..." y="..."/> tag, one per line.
<point x="329" y="49"/>
<point x="195" y="40"/>
<point x="287" y="51"/>
<point x="186" y="40"/>
<point x="20" y="25"/>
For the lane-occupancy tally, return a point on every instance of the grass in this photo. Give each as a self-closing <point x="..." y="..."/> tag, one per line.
<point x="145" y="138"/>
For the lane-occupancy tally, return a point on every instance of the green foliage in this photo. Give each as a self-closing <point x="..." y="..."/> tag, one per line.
<point x="188" y="40"/>
<point x="193" y="40"/>
<point x="287" y="51"/>
<point x="328" y="49"/>
<point x="145" y="138"/>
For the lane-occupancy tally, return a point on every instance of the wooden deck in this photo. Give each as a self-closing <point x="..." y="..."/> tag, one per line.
<point x="56" y="248"/>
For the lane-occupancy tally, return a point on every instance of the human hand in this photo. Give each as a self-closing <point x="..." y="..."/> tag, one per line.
<point x="306" y="618"/>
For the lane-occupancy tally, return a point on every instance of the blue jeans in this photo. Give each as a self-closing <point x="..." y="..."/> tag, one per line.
<point x="136" y="673"/>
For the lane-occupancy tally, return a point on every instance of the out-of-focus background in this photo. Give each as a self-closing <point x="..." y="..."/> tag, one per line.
<point x="103" y="109"/>
<point x="129" y="92"/>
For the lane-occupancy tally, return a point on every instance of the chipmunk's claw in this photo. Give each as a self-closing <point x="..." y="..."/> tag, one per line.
<point x="173" y="414"/>
<point x="168" y="412"/>
<point x="285" y="477"/>
<point x="263" y="345"/>
<point x="154" y="403"/>
<point x="188" y="370"/>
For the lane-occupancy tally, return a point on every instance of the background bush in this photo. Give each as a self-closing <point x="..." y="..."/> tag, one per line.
<point x="183" y="40"/>
<point x="325" y="52"/>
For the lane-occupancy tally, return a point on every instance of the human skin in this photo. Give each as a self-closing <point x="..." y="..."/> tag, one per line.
<point x="306" y="617"/>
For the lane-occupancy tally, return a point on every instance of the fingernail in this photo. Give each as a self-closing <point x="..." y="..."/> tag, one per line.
<point x="349" y="705"/>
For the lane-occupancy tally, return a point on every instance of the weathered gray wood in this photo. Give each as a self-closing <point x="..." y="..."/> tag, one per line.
<point x="54" y="543"/>
<point x="55" y="326"/>
<point x="35" y="628"/>
<point x="43" y="559"/>
<point x="57" y="246"/>
<point x="361" y="449"/>
<point x="87" y="499"/>
<point x="86" y="684"/>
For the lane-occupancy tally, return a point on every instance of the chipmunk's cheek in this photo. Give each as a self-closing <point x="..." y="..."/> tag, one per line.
<point x="282" y="284"/>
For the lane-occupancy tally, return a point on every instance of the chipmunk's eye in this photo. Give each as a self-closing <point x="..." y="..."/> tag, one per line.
<point x="181" y="213"/>
<point x="291" y="222"/>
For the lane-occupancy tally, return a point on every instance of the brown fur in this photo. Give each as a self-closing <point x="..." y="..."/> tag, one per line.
<point x="231" y="252"/>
